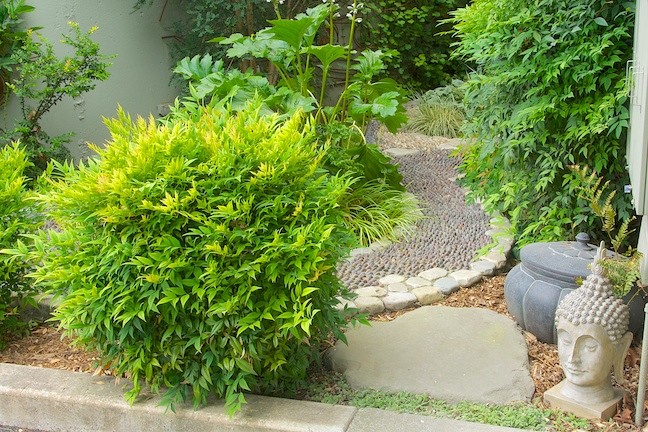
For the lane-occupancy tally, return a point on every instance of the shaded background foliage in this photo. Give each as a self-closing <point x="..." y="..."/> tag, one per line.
<point x="207" y="19"/>
<point x="412" y="30"/>
<point x="415" y="30"/>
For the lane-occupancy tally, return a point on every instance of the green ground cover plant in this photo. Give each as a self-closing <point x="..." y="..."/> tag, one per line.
<point x="198" y="257"/>
<point x="41" y="81"/>
<point x="548" y="92"/>
<point x="329" y="387"/>
<point x="415" y="33"/>
<point x="17" y="218"/>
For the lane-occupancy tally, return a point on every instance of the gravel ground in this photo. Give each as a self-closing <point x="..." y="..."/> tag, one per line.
<point x="450" y="232"/>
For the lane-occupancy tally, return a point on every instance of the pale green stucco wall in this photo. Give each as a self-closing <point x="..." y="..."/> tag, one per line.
<point x="140" y="73"/>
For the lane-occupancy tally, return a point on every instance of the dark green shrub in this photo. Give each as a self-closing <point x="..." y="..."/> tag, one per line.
<point x="17" y="218"/>
<point x="11" y="35"/>
<point x="549" y="92"/>
<point x="414" y="31"/>
<point x="199" y="256"/>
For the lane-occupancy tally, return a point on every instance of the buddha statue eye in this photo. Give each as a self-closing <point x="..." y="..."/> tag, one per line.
<point x="591" y="347"/>
<point x="564" y="338"/>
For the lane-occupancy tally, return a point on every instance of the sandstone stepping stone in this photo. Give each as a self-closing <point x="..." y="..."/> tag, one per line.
<point x="369" y="305"/>
<point x="416" y="282"/>
<point x="433" y="274"/>
<point x="427" y="295"/>
<point x="484" y="267"/>
<point x="391" y="279"/>
<point x="396" y="152"/>
<point x="498" y="258"/>
<point x="454" y="354"/>
<point x="447" y="285"/>
<point x="399" y="300"/>
<point x="360" y="251"/>
<point x="379" y="245"/>
<point x="506" y="241"/>
<point x="466" y="278"/>
<point x="398" y="287"/>
<point x="501" y="221"/>
<point x="371" y="291"/>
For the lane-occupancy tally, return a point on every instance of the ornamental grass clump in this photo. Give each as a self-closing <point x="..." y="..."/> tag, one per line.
<point x="438" y="112"/>
<point x="197" y="257"/>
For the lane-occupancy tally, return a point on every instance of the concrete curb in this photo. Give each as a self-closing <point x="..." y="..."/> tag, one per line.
<point x="61" y="401"/>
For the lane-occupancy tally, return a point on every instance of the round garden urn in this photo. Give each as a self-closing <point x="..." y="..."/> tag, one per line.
<point x="546" y="274"/>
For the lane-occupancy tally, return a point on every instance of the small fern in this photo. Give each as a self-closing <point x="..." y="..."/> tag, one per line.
<point x="623" y="267"/>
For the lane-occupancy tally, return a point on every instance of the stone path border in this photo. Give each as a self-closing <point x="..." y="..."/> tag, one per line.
<point x="395" y="292"/>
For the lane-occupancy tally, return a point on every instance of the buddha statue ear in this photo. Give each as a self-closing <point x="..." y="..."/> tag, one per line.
<point x="621" y="347"/>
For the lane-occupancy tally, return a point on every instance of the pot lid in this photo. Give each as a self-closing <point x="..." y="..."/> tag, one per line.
<point x="565" y="261"/>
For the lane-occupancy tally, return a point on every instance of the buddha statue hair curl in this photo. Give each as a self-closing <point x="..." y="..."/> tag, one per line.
<point x="594" y="303"/>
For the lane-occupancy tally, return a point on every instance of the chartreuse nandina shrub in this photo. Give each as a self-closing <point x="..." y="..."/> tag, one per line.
<point x="303" y="62"/>
<point x="199" y="257"/>
<point x="549" y="91"/>
<point x="17" y="218"/>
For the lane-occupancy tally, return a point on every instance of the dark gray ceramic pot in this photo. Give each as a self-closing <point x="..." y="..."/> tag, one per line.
<point x="546" y="274"/>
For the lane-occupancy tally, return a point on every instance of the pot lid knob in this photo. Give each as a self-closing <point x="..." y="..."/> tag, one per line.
<point x="583" y="240"/>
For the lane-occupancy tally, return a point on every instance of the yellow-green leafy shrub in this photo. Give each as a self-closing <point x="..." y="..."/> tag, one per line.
<point x="16" y="219"/>
<point x="198" y="256"/>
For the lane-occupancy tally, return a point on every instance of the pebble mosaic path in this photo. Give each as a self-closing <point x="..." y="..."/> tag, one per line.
<point x="402" y="289"/>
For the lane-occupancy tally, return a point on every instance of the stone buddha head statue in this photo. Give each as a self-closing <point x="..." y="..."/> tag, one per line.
<point x="593" y="337"/>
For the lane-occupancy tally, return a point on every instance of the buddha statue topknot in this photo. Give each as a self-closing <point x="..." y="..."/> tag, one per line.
<point x="593" y="339"/>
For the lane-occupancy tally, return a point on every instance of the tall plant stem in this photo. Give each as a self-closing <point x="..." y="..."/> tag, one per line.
<point x="275" y="5"/>
<point x="331" y="28"/>
<point x="350" y="51"/>
<point x="323" y="89"/>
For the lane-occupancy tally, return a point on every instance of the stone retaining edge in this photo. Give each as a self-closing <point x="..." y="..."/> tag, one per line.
<point x="57" y="400"/>
<point x="395" y="292"/>
<point x="62" y="401"/>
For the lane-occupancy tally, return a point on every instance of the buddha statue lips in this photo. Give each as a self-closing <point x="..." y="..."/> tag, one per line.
<point x="593" y="339"/>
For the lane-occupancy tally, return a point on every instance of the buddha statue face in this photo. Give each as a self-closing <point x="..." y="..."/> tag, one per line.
<point x="593" y="337"/>
<point x="587" y="356"/>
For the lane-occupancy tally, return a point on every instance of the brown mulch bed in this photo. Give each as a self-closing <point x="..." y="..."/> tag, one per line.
<point x="45" y="348"/>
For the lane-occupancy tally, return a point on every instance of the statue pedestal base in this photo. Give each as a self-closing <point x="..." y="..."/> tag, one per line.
<point x="601" y="411"/>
